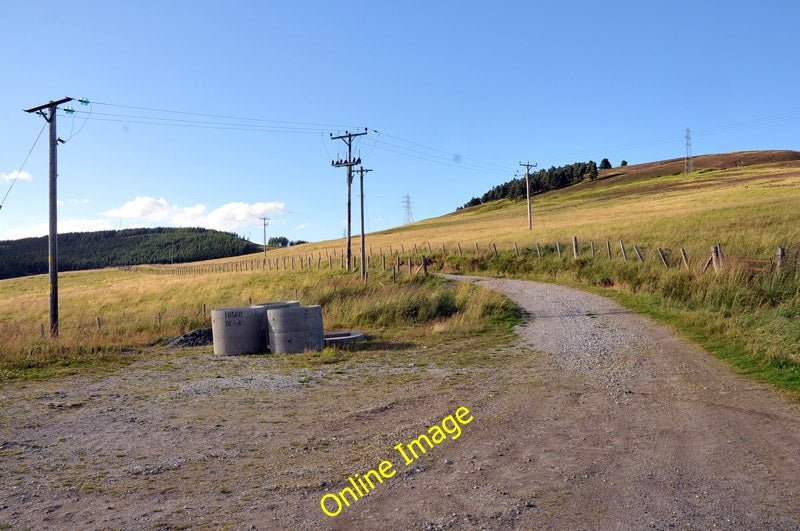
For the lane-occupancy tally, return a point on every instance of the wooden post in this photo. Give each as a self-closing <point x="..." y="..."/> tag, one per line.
<point x="575" y="247"/>
<point x="394" y="275"/>
<point x="409" y="265"/>
<point x="495" y="249"/>
<point x="476" y="247"/>
<point x="204" y="310"/>
<point x="594" y="252"/>
<point x="397" y="267"/>
<point x="443" y="251"/>
<point x="538" y="250"/>
<point x="780" y="255"/>
<point x="330" y="262"/>
<point x="459" y="248"/>
<point x="558" y="248"/>
<point x="685" y="258"/>
<point x="663" y="258"/>
<point x="97" y="320"/>
<point x="638" y="253"/>
<point x="715" y="261"/>
<point x="429" y="248"/>
<point x="708" y="263"/>
<point x="624" y="253"/>
<point x="415" y="248"/>
<point x="383" y="259"/>
<point x="516" y="249"/>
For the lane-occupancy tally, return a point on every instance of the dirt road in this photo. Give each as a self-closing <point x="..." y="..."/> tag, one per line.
<point x="597" y="418"/>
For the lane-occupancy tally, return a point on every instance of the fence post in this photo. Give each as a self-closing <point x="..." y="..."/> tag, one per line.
<point x="780" y="255"/>
<point x="538" y="250"/>
<point x="663" y="258"/>
<point x="476" y="247"/>
<point x="397" y="267"/>
<point x="516" y="249"/>
<point x="204" y="310"/>
<point x="558" y="248"/>
<point x="330" y="262"/>
<point x="594" y="252"/>
<point x="495" y="249"/>
<point x="383" y="259"/>
<point x="685" y="258"/>
<point x="415" y="248"/>
<point x="715" y="259"/>
<point x="429" y="248"/>
<point x="409" y="265"/>
<point x="443" y="250"/>
<point x="638" y="253"/>
<point x="459" y="248"/>
<point x="624" y="253"/>
<point x="575" y="247"/>
<point x="97" y="320"/>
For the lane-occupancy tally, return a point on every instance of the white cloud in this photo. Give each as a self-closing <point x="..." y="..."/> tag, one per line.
<point x="64" y="226"/>
<point x="19" y="175"/>
<point x="302" y="226"/>
<point x="227" y="217"/>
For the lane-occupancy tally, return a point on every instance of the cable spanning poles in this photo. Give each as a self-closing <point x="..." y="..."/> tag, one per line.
<point x="48" y="112"/>
<point x="528" y="167"/>
<point x="348" y="163"/>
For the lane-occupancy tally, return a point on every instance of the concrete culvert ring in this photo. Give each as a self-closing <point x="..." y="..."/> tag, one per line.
<point x="343" y="338"/>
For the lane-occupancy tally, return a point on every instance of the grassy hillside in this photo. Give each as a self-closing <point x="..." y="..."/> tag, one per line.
<point x="114" y="248"/>
<point x="745" y="201"/>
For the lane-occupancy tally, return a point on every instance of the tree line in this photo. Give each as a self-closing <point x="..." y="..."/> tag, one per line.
<point x="543" y="181"/>
<point x="116" y="248"/>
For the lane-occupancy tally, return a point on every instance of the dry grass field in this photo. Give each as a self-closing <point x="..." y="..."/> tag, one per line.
<point x="745" y="201"/>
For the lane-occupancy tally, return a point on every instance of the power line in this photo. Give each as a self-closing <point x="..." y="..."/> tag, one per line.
<point x="19" y="171"/>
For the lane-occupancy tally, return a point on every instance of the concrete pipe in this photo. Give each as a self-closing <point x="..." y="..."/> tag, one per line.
<point x="343" y="338"/>
<point x="295" y="329"/>
<point x="264" y="306"/>
<point x="239" y="331"/>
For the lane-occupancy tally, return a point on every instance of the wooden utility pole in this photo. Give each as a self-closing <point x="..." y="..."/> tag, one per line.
<point x="362" y="171"/>
<point x="528" y="167"/>
<point x="48" y="112"/>
<point x="265" y="236"/>
<point x="348" y="163"/>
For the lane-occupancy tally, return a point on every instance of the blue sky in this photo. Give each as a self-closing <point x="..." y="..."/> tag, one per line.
<point x="218" y="113"/>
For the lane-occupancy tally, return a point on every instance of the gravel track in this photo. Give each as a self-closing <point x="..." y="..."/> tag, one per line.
<point x="596" y="419"/>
